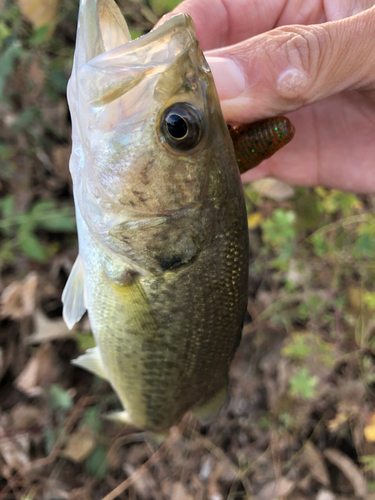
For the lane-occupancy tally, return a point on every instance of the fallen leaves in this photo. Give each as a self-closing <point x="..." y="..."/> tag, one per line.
<point x="40" y="12"/>
<point x="180" y="492"/>
<point x="80" y="445"/>
<point x="46" y="330"/>
<point x="40" y="371"/>
<point x="273" y="189"/>
<point x="350" y="470"/>
<point x="313" y="459"/>
<point x="253" y="220"/>
<point x="15" y="450"/>
<point x="18" y="299"/>
<point x="369" y="430"/>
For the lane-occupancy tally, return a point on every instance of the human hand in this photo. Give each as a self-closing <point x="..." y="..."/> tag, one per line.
<point x="317" y="63"/>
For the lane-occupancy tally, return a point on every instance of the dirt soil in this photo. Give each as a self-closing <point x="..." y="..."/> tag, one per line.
<point x="300" y="422"/>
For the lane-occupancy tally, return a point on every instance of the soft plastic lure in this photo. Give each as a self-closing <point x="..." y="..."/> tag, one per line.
<point x="258" y="141"/>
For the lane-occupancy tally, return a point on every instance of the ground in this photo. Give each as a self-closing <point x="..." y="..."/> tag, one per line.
<point x="300" y="422"/>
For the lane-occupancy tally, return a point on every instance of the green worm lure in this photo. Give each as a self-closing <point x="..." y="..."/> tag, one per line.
<point x="258" y="141"/>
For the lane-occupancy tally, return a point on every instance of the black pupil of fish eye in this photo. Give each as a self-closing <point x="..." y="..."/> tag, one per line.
<point x="177" y="126"/>
<point x="181" y="126"/>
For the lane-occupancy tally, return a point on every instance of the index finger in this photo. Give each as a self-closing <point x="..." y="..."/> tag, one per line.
<point x="220" y="23"/>
<point x="224" y="22"/>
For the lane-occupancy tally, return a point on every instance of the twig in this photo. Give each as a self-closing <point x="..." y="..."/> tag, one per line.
<point x="215" y="450"/>
<point x="138" y="473"/>
<point x="4" y="491"/>
<point x="61" y="438"/>
<point x="346" y="221"/>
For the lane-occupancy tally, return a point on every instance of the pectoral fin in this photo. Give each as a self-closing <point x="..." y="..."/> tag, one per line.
<point x="73" y="296"/>
<point x="92" y="362"/>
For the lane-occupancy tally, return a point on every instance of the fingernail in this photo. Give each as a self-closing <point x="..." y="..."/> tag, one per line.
<point x="229" y="79"/>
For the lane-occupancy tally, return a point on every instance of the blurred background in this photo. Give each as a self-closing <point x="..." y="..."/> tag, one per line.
<point x="300" y="423"/>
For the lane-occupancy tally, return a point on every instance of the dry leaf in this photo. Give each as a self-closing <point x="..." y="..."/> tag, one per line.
<point x="41" y="370"/>
<point x="369" y="430"/>
<point x="26" y="416"/>
<point x="276" y="489"/>
<point x="325" y="495"/>
<point x="80" y="445"/>
<point x="80" y="494"/>
<point x="339" y="420"/>
<point x="18" y="299"/>
<point x="47" y="330"/>
<point x="15" y="450"/>
<point x="273" y="189"/>
<point x="179" y="492"/>
<point x="39" y="12"/>
<point x="350" y="470"/>
<point x="313" y="459"/>
<point x="143" y="485"/>
<point x="254" y="219"/>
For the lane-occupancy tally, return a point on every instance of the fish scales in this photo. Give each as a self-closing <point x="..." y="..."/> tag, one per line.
<point x="163" y="241"/>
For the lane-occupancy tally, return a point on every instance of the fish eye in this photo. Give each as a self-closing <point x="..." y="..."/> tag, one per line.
<point x="182" y="126"/>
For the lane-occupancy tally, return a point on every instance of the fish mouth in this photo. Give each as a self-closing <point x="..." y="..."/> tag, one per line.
<point x="103" y="35"/>
<point x="108" y="64"/>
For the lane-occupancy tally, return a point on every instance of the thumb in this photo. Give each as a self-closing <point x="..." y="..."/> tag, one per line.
<point x="293" y="66"/>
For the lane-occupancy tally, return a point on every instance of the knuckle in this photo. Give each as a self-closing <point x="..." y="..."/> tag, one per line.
<point x="306" y="48"/>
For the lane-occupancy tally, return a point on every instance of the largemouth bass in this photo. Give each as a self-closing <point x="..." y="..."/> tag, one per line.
<point x="163" y="242"/>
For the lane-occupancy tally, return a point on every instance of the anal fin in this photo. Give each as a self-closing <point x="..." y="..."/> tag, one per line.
<point x="92" y="362"/>
<point x="121" y="417"/>
<point x="73" y="296"/>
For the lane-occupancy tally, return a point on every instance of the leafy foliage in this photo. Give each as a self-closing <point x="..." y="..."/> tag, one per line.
<point x="160" y="7"/>
<point x="59" y="398"/>
<point x="303" y="384"/>
<point x="20" y="230"/>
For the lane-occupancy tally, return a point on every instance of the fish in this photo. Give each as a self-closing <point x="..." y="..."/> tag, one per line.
<point x="162" y="227"/>
<point x="163" y="259"/>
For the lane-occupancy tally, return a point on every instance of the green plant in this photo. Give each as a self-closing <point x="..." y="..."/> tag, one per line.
<point x="303" y="384"/>
<point x="368" y="462"/>
<point x="20" y="230"/>
<point x="279" y="233"/>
